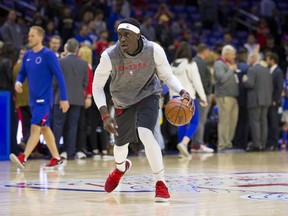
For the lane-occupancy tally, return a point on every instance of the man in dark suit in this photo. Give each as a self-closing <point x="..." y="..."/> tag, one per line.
<point x="259" y="85"/>
<point x="273" y="117"/>
<point x="76" y="78"/>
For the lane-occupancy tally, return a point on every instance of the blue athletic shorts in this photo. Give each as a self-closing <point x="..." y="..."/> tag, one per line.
<point x="41" y="114"/>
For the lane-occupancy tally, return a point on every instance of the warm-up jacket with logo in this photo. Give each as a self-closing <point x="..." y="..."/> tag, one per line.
<point x="39" y="68"/>
<point x="133" y="77"/>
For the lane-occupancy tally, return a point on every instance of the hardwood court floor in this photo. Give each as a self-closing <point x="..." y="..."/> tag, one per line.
<point x="221" y="184"/>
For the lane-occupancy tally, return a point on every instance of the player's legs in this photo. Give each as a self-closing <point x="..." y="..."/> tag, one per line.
<point x="153" y="152"/>
<point x="33" y="140"/>
<point x="50" y="141"/>
<point x="20" y="160"/>
<point x="120" y="156"/>
<point x="147" y="114"/>
<point x="126" y="133"/>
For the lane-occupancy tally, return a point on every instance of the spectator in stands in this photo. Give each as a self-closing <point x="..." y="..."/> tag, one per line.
<point x="163" y="32"/>
<point x="24" y="28"/>
<point x="103" y="43"/>
<point x="99" y="23"/>
<point x="227" y="39"/>
<point x="54" y="44"/>
<point x="45" y="9"/>
<point x="178" y="27"/>
<point x="163" y="13"/>
<point x="38" y="20"/>
<point x="251" y="44"/>
<point x="258" y="81"/>
<point x="83" y="37"/>
<point x="147" y="29"/>
<point x="114" y="16"/>
<point x="226" y="91"/>
<point x="208" y="11"/>
<point x="84" y="53"/>
<point x="198" y="144"/>
<point x="242" y="130"/>
<point x="262" y="33"/>
<point x="225" y="10"/>
<point x="126" y="10"/>
<point x="186" y="70"/>
<point x="50" y="31"/>
<point x="11" y="32"/>
<point x="76" y="78"/>
<point x="266" y="8"/>
<point x="66" y="24"/>
<point x="270" y="44"/>
<point x="273" y="118"/>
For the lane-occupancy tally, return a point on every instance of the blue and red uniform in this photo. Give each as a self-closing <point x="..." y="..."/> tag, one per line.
<point x="39" y="68"/>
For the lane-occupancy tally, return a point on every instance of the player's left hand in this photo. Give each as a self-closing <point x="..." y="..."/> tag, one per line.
<point x="185" y="95"/>
<point x="64" y="105"/>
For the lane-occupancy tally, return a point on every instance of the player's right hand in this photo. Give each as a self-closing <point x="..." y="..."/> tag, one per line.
<point x="110" y="125"/>
<point x="18" y="87"/>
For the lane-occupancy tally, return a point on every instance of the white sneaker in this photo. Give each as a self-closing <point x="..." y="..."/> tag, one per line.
<point x="97" y="157"/>
<point x="201" y="149"/>
<point x="107" y="157"/>
<point x="80" y="155"/>
<point x="183" y="150"/>
<point x="64" y="155"/>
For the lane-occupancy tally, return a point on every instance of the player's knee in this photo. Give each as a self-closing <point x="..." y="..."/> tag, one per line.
<point x="144" y="133"/>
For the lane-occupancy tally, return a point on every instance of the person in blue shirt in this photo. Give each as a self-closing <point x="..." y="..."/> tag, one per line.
<point x="284" y="118"/>
<point x="39" y="66"/>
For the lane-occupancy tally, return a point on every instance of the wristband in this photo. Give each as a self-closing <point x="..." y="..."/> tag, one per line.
<point x="105" y="116"/>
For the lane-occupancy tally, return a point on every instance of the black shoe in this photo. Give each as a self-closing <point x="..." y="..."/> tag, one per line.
<point x="253" y="149"/>
<point x="271" y="148"/>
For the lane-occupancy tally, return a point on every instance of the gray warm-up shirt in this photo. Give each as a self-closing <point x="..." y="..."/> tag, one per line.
<point x="133" y="77"/>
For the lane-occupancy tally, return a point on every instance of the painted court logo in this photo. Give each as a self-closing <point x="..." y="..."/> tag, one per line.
<point x="254" y="186"/>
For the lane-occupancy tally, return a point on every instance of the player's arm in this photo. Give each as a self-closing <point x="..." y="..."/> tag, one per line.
<point x="21" y="75"/>
<point x="56" y="70"/>
<point x="164" y="72"/>
<point x="101" y="76"/>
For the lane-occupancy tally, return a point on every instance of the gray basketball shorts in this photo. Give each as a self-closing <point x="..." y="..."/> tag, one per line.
<point x="142" y="114"/>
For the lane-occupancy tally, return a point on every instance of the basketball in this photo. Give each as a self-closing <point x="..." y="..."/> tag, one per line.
<point x="178" y="112"/>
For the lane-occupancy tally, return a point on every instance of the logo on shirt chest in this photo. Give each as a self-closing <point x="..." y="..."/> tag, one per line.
<point x="130" y="66"/>
<point x="38" y="60"/>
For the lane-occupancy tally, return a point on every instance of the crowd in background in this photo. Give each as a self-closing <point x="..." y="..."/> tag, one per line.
<point x="238" y="109"/>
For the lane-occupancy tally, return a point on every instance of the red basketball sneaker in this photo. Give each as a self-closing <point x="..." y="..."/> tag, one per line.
<point x="162" y="194"/>
<point x="18" y="160"/>
<point x="115" y="176"/>
<point x="53" y="163"/>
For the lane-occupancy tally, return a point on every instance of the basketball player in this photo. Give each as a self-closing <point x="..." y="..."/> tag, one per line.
<point x="134" y="64"/>
<point x="39" y="65"/>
